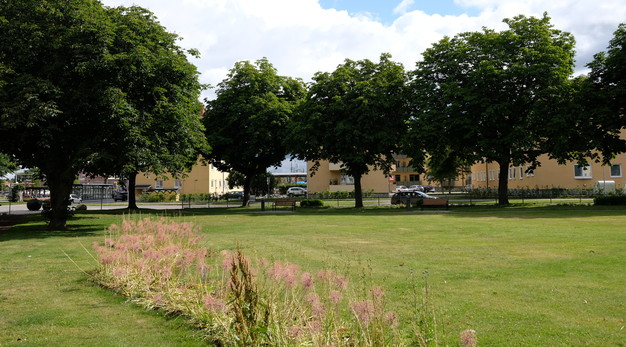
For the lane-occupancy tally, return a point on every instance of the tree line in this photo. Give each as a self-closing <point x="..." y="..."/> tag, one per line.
<point x="84" y="87"/>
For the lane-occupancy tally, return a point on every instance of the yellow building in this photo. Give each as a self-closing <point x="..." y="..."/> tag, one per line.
<point x="551" y="175"/>
<point x="329" y="178"/>
<point x="201" y="179"/>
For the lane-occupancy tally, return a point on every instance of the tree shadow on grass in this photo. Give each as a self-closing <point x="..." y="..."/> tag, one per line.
<point x="34" y="227"/>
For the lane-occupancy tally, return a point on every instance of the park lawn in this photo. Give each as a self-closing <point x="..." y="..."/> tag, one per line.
<point x="519" y="276"/>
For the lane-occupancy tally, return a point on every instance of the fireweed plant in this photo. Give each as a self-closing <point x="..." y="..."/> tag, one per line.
<point x="235" y="300"/>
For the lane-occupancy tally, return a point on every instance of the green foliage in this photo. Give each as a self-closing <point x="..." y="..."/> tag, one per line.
<point x="311" y="203"/>
<point x="6" y="164"/>
<point x="355" y="116"/>
<point x="258" y="186"/>
<point x="200" y="197"/>
<point x="94" y="89"/>
<point x="610" y="200"/>
<point x="159" y="196"/>
<point x="15" y="192"/>
<point x="494" y="96"/>
<point x="602" y="100"/>
<point x="248" y="121"/>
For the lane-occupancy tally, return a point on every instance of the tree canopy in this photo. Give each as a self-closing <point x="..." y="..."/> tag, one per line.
<point x="246" y="124"/>
<point x="602" y="99"/>
<point x="355" y="116"/>
<point x="492" y="95"/>
<point x="79" y="82"/>
<point x="159" y="128"/>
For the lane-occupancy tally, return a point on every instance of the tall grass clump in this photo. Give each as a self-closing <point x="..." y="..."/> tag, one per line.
<point x="236" y="300"/>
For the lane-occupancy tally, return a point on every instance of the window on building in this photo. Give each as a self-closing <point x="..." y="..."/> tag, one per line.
<point x="529" y="173"/>
<point x="158" y="184"/>
<point x="512" y="171"/>
<point x="414" y="178"/>
<point x="521" y="173"/>
<point x="396" y="178"/>
<point x="178" y="184"/>
<point x="492" y="175"/>
<point x="582" y="171"/>
<point x="616" y="170"/>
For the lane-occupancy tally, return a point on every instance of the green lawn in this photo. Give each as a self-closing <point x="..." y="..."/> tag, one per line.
<point x="519" y="276"/>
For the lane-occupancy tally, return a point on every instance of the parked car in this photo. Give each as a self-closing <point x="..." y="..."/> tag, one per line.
<point x="296" y="191"/>
<point x="401" y="189"/>
<point x="429" y="189"/>
<point x="234" y="195"/>
<point x="401" y="197"/>
<point x="121" y="196"/>
<point x="74" y="199"/>
<point x="416" y="188"/>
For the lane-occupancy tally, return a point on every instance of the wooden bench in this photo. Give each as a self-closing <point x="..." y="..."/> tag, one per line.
<point x="435" y="203"/>
<point x="279" y="203"/>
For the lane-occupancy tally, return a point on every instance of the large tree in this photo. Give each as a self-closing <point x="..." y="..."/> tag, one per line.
<point x="602" y="99"/>
<point x="356" y="116"/>
<point x="51" y="97"/>
<point x="157" y="88"/>
<point x="69" y="92"/>
<point x="493" y="96"/>
<point x="246" y="124"/>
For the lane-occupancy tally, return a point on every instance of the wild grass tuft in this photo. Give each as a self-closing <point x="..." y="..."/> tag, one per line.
<point x="236" y="300"/>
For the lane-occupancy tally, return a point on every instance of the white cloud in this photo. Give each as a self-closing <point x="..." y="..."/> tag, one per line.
<point x="300" y="37"/>
<point x="403" y="6"/>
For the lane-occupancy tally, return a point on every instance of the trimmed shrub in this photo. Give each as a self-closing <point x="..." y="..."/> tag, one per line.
<point x="33" y="205"/>
<point x="610" y="200"/>
<point x="311" y="203"/>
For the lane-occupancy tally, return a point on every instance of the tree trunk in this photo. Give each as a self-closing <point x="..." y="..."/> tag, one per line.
<point x="503" y="182"/>
<point x="60" y="184"/>
<point x="132" y="198"/>
<point x="247" y="183"/>
<point x="358" y="191"/>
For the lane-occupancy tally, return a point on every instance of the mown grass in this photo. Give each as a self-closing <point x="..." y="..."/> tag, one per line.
<point x="519" y="276"/>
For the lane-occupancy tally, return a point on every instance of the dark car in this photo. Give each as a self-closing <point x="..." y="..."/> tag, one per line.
<point x="234" y="195"/>
<point x="120" y="196"/>
<point x="401" y="198"/>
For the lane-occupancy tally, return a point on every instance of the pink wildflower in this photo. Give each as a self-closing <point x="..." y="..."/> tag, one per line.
<point x="392" y="319"/>
<point x="295" y="331"/>
<point x="228" y="260"/>
<point x="119" y="272"/>
<point x="157" y="300"/>
<point x="306" y="280"/>
<point x="341" y="282"/>
<point x="213" y="304"/>
<point x="377" y="292"/>
<point x="364" y="311"/>
<point x="469" y="338"/>
<point x="335" y="296"/>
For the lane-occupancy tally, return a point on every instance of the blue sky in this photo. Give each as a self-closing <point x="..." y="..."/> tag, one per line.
<point x="387" y="11"/>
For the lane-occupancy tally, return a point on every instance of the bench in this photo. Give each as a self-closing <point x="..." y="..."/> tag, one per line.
<point x="291" y="203"/>
<point x="435" y="203"/>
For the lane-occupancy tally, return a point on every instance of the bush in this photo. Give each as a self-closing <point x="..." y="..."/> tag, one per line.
<point x="311" y="203"/>
<point x="610" y="200"/>
<point x="33" y="205"/>
<point x="158" y="197"/>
